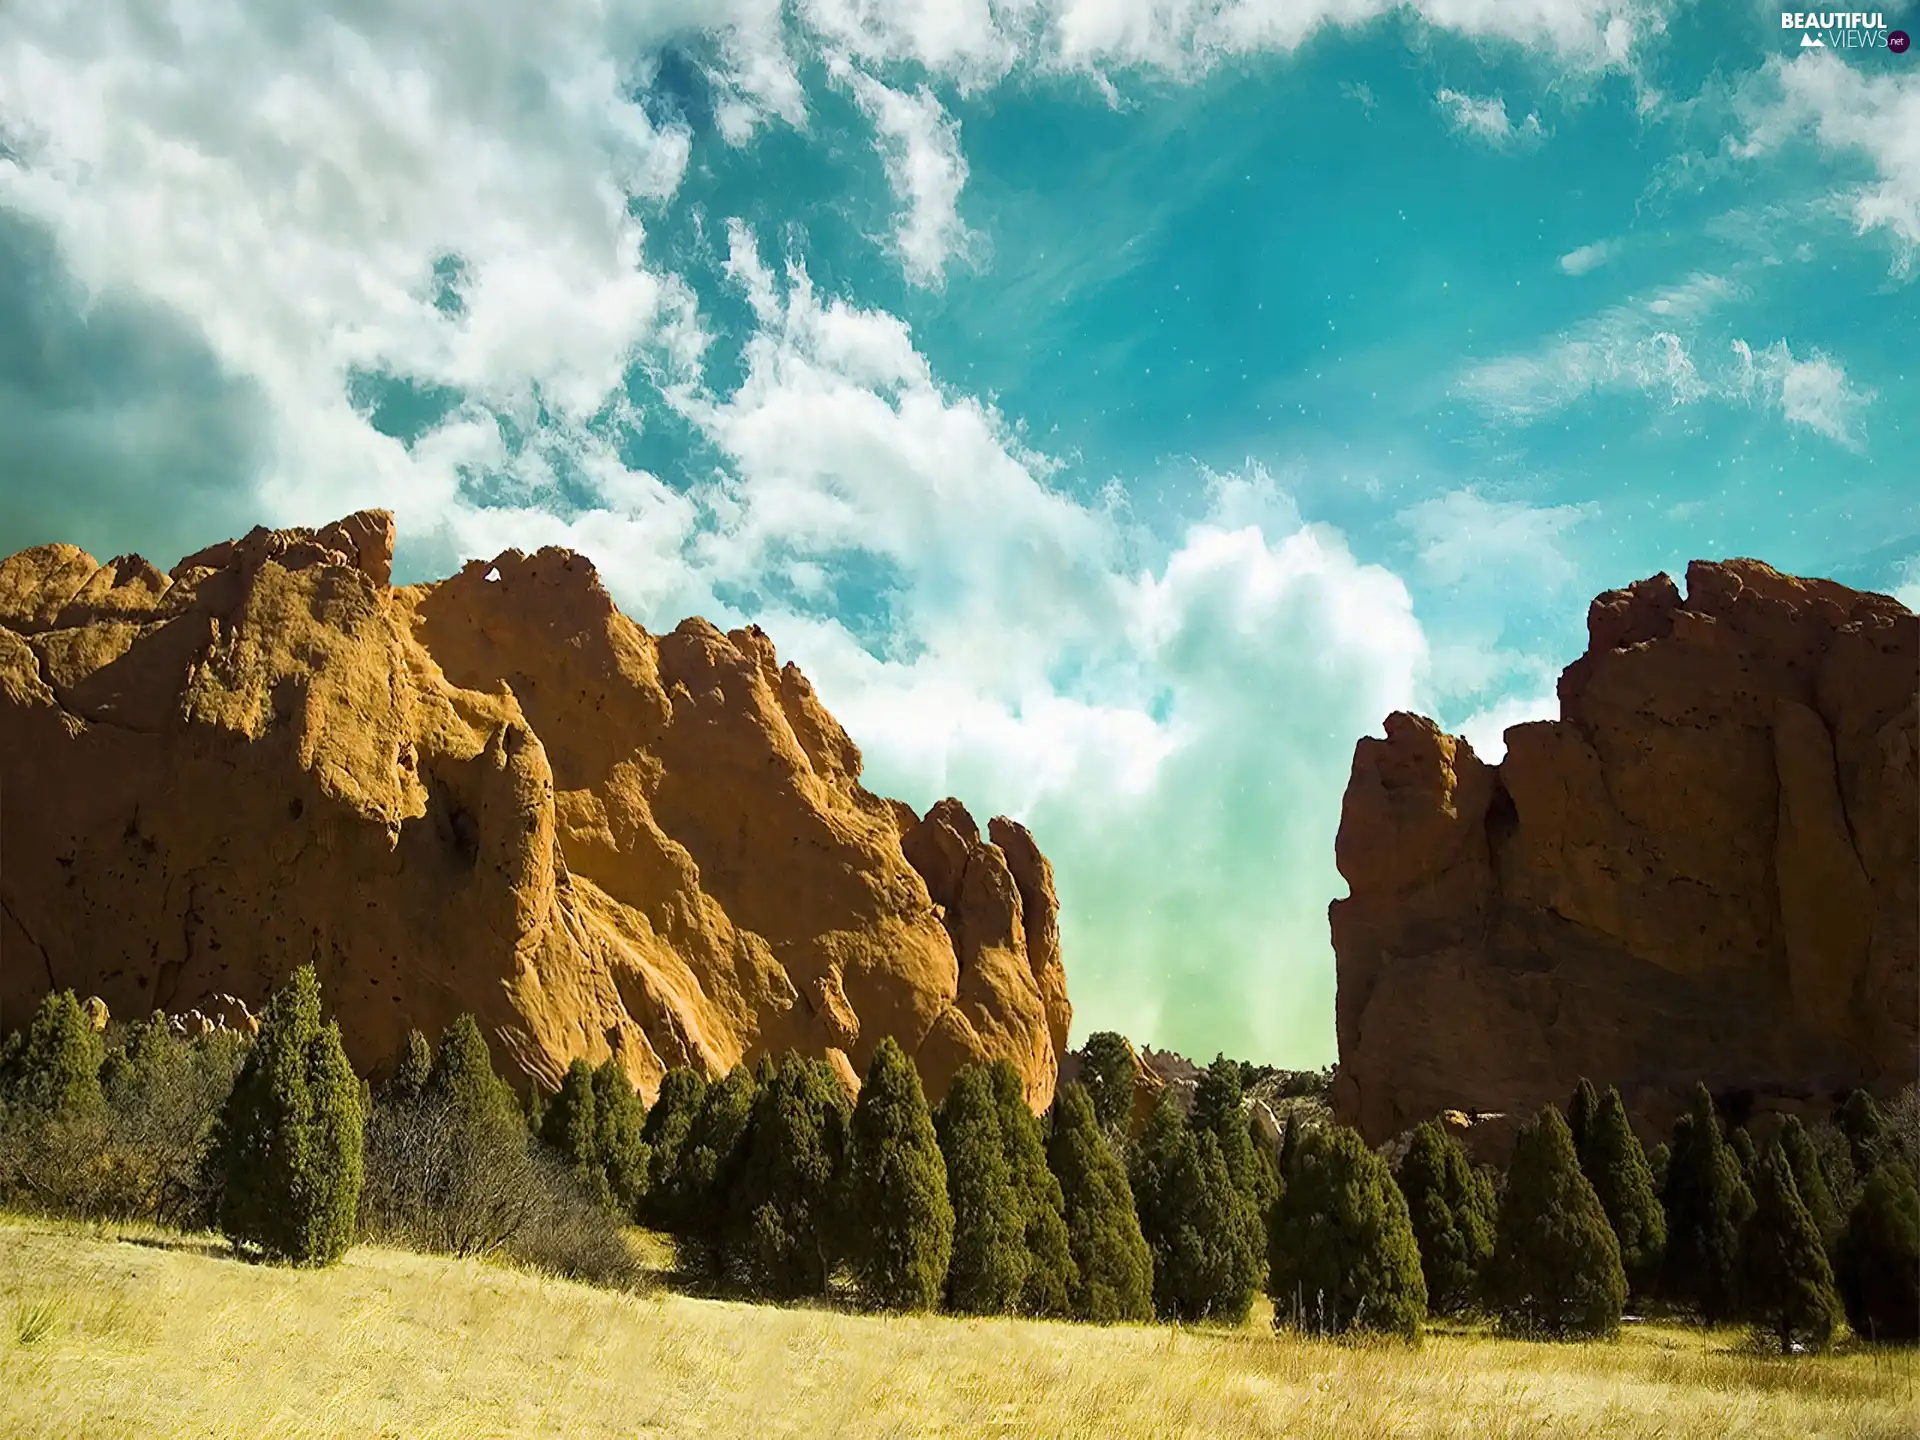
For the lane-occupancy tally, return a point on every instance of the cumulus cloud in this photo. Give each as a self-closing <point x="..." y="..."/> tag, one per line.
<point x="1813" y="392"/>
<point x="1906" y="583"/>
<point x="1463" y="535"/>
<point x="1485" y="119"/>
<point x="1850" y="111"/>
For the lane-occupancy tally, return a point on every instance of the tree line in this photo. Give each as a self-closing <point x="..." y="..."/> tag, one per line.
<point x="773" y="1183"/>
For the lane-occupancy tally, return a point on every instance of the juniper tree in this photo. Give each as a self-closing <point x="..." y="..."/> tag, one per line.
<point x="53" y="1066"/>
<point x="163" y="1095"/>
<point x="1200" y="1225"/>
<point x="1878" y="1258"/>
<point x="619" y="1118"/>
<point x="1113" y="1269"/>
<point x="1289" y="1146"/>
<point x="1050" y="1276"/>
<point x="1615" y="1164"/>
<point x="412" y="1067"/>
<point x="778" y="1236"/>
<point x="1809" y="1182"/>
<point x="1107" y="1069"/>
<point x="900" y="1222"/>
<point x="569" y="1127"/>
<point x="1707" y="1202"/>
<point x="669" y="1119"/>
<point x="1556" y="1265"/>
<point x="1741" y="1143"/>
<point x="1869" y="1140"/>
<point x="1581" y="1113"/>
<point x="695" y="1203"/>
<point x="291" y="1136"/>
<point x="988" y="1271"/>
<point x="1451" y="1210"/>
<point x="1658" y="1159"/>
<point x="1220" y="1108"/>
<point x="481" y="1187"/>
<point x="1786" y="1284"/>
<point x="1340" y="1249"/>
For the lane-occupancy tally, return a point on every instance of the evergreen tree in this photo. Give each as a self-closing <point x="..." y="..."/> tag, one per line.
<point x="1220" y="1108"/>
<point x="1878" y="1258"/>
<point x="988" y="1271"/>
<point x="1615" y="1164"/>
<point x="1785" y="1281"/>
<point x="900" y="1235"/>
<point x="1658" y="1159"/>
<point x="1452" y="1213"/>
<point x="1201" y="1227"/>
<point x="1741" y="1143"/>
<point x="482" y="1185"/>
<point x="1810" y="1182"/>
<point x="779" y="1220"/>
<point x="1706" y="1202"/>
<point x="671" y="1117"/>
<point x="570" y="1128"/>
<point x="1581" y="1113"/>
<point x="1050" y="1276"/>
<point x="291" y="1136"/>
<point x="1113" y="1269"/>
<point x="696" y="1203"/>
<point x="411" y="1069"/>
<point x="1556" y="1264"/>
<point x="53" y="1067"/>
<point x="1107" y="1069"/>
<point x="618" y="1122"/>
<point x="1290" y="1136"/>
<point x="1340" y="1249"/>
<point x="1868" y="1138"/>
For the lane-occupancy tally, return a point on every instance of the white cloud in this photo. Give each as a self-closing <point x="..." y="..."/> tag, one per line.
<point x="1906" y="584"/>
<point x="1486" y="119"/>
<point x="1462" y="536"/>
<point x="920" y="146"/>
<point x="1588" y="257"/>
<point x="1486" y="729"/>
<point x="1849" y="111"/>
<point x="1814" y="392"/>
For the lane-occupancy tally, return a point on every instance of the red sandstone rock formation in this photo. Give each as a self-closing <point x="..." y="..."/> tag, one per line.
<point x="1705" y="870"/>
<point x="493" y="794"/>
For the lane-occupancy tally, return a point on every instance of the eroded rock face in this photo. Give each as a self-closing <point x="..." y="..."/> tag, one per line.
<point x="493" y="794"/>
<point x="1705" y="870"/>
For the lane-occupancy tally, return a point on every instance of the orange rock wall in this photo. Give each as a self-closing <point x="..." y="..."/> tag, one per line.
<point x="493" y="794"/>
<point x="1705" y="870"/>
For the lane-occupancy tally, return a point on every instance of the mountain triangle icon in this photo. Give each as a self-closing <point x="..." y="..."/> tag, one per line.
<point x="1812" y="42"/>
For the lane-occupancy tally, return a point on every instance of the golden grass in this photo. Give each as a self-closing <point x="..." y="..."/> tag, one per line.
<point x="116" y="1331"/>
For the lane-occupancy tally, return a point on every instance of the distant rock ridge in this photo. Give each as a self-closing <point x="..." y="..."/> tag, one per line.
<point x="494" y="793"/>
<point x="1706" y="869"/>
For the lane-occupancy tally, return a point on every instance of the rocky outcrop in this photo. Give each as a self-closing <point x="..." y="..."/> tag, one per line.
<point x="1706" y="869"/>
<point x="495" y="794"/>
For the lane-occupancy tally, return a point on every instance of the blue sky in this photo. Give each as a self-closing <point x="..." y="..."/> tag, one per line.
<point x="1116" y="406"/>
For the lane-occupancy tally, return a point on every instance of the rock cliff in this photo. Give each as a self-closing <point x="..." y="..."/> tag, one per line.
<point x="1704" y="870"/>
<point x="495" y="794"/>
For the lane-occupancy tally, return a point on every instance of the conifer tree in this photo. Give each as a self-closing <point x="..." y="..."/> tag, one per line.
<point x="1556" y="1264"/>
<point x="571" y="1128"/>
<point x="1810" y="1182"/>
<point x="988" y="1271"/>
<point x="1878" y="1258"/>
<point x="1220" y="1107"/>
<point x="1615" y="1164"/>
<point x="411" y="1069"/>
<point x="1290" y="1136"/>
<point x="53" y="1067"/>
<point x="1741" y="1143"/>
<point x="669" y="1119"/>
<point x="780" y="1209"/>
<point x="1107" y="1068"/>
<point x="1340" y="1249"/>
<point x="291" y="1136"/>
<point x="695" y="1205"/>
<point x="1452" y="1213"/>
<point x="1869" y="1140"/>
<point x="1581" y="1113"/>
<point x="619" y="1119"/>
<point x="481" y="1191"/>
<point x="1113" y="1269"/>
<point x="1201" y="1227"/>
<point x="1050" y="1276"/>
<point x="1658" y="1159"/>
<point x="1707" y="1202"/>
<point x="1786" y="1282"/>
<point x="900" y="1222"/>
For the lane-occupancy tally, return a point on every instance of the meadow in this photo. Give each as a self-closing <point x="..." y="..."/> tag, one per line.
<point x="125" y="1330"/>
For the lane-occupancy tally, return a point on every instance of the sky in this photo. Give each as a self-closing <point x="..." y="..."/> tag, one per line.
<point x="1116" y="407"/>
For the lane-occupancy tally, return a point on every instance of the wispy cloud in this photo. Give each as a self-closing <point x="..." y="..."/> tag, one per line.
<point x="1813" y="392"/>
<point x="920" y="146"/>
<point x="1589" y="257"/>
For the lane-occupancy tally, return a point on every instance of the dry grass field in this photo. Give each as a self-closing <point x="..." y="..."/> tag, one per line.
<point x="115" y="1331"/>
